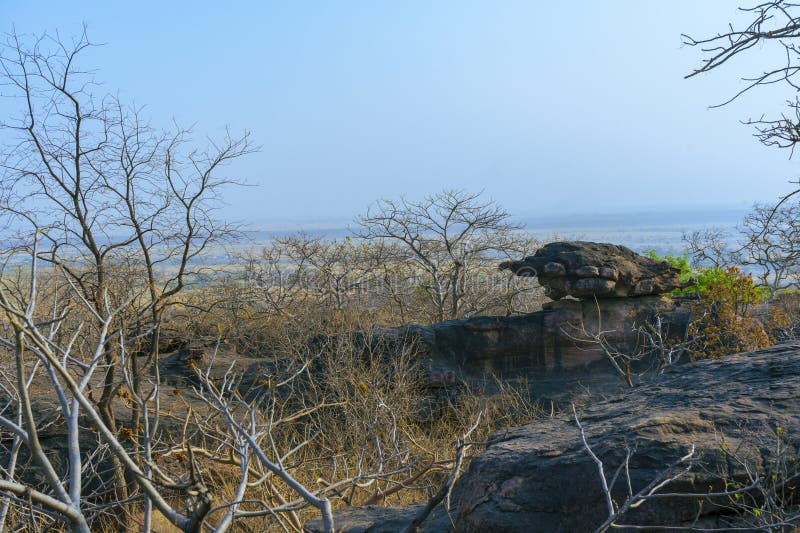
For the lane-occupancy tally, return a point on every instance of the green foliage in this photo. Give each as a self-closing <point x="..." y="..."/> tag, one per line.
<point x="702" y="277"/>
<point x="681" y="262"/>
<point x="722" y="323"/>
<point x="705" y="280"/>
<point x="715" y="279"/>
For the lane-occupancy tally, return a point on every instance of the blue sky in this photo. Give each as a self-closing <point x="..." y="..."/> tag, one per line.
<point x="576" y="107"/>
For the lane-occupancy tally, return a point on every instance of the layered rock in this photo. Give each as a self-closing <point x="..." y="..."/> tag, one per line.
<point x="590" y="269"/>
<point x="548" y="347"/>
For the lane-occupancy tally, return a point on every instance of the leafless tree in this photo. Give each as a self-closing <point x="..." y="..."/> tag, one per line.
<point x="247" y="425"/>
<point x="448" y="236"/>
<point x="772" y="29"/>
<point x="709" y="247"/>
<point x="336" y="271"/>
<point x="771" y="243"/>
<point x="70" y="374"/>
<point x="395" y="282"/>
<point x="104" y="189"/>
<point x="773" y="24"/>
<point x="118" y="207"/>
<point x="274" y="279"/>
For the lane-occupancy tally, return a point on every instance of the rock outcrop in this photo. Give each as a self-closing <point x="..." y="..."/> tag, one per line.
<point x="548" y="348"/>
<point x="590" y="269"/>
<point x="540" y="478"/>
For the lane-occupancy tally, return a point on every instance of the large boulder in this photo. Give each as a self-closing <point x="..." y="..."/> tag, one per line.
<point x="540" y="478"/>
<point x="591" y="269"/>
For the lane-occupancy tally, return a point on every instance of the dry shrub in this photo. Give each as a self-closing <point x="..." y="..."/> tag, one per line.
<point x="784" y="316"/>
<point x="722" y="322"/>
<point x="367" y="429"/>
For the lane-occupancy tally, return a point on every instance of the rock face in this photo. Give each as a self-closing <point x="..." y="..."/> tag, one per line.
<point x="590" y="269"/>
<point x="539" y="477"/>
<point x="544" y="347"/>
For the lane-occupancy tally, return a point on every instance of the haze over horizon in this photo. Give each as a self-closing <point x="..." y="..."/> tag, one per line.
<point x="552" y="110"/>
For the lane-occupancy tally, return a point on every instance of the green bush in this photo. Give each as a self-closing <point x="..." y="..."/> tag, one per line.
<point x="706" y="279"/>
<point x="681" y="262"/>
<point x="722" y="323"/>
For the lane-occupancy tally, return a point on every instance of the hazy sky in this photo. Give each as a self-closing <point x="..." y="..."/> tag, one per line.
<point x="551" y="107"/>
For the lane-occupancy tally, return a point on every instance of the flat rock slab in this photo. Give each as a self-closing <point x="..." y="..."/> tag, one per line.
<point x="539" y="477"/>
<point x="376" y="519"/>
<point x="590" y="269"/>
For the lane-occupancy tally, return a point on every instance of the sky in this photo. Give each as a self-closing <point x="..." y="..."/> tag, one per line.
<point x="548" y="107"/>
